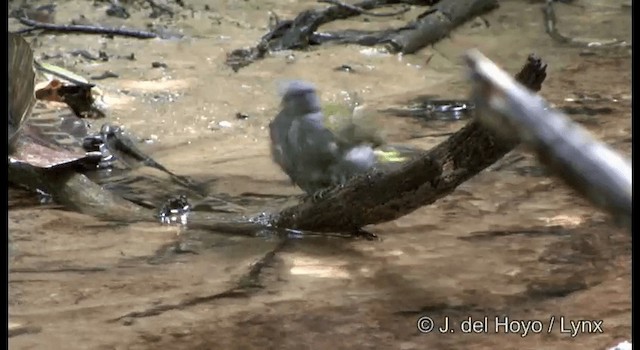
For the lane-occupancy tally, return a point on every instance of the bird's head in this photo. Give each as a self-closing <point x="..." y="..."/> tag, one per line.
<point x="299" y="97"/>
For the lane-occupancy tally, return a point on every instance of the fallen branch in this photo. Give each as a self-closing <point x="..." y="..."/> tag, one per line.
<point x="431" y="26"/>
<point x="75" y="191"/>
<point x="295" y="34"/>
<point x="438" y="22"/>
<point x="589" y="166"/>
<point x="58" y="270"/>
<point x="87" y="29"/>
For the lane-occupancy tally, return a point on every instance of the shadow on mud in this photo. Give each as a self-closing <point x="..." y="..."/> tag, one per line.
<point x="572" y="260"/>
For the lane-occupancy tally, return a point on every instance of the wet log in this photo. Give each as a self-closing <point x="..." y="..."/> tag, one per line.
<point x="438" y="22"/>
<point x="70" y="188"/>
<point x="76" y="192"/>
<point x="430" y="27"/>
<point x="297" y="34"/>
<point x="383" y="196"/>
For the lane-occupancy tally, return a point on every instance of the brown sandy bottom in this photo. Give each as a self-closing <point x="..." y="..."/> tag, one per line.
<point x="510" y="242"/>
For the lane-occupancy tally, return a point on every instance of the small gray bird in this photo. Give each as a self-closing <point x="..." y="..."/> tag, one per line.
<point x="309" y="153"/>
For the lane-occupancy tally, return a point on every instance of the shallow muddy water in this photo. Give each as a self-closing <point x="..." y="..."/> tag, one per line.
<point x="509" y="242"/>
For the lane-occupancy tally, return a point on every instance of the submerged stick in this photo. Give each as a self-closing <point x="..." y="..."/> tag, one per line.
<point x="87" y="29"/>
<point x="587" y="165"/>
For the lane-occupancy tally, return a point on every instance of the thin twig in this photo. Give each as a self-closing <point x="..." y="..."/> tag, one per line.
<point x="87" y="29"/>
<point x="363" y="11"/>
<point x="58" y="270"/>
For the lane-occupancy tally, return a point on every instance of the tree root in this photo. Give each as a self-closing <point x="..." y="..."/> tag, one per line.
<point x="86" y="29"/>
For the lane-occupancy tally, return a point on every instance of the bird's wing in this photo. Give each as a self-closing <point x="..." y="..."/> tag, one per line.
<point x="313" y="141"/>
<point x="279" y="141"/>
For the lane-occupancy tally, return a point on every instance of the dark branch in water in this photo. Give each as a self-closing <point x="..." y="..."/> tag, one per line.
<point x="86" y="29"/>
<point x="298" y="34"/>
<point x="380" y="197"/>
